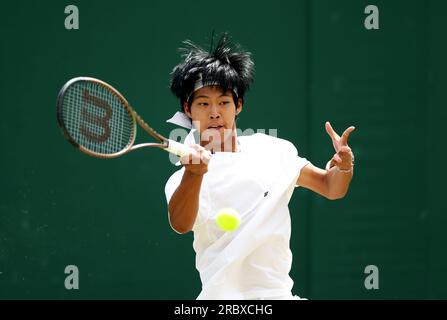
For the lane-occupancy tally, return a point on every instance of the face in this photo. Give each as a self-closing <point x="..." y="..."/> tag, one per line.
<point x="213" y="113"/>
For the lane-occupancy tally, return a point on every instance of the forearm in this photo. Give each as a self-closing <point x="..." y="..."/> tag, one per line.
<point x="337" y="182"/>
<point x="184" y="204"/>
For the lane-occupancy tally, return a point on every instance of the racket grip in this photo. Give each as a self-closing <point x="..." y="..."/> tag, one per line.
<point x="178" y="148"/>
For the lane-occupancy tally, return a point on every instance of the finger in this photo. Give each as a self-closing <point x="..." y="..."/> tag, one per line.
<point x="196" y="147"/>
<point x="337" y="158"/>
<point x="199" y="148"/>
<point x="203" y="152"/>
<point x="331" y="132"/>
<point x="344" y="150"/>
<point x="333" y="163"/>
<point x="186" y="159"/>
<point x="345" y="136"/>
<point x="196" y="158"/>
<point x="207" y="153"/>
<point x="192" y="149"/>
<point x="206" y="157"/>
<point x="345" y="158"/>
<point x="192" y="157"/>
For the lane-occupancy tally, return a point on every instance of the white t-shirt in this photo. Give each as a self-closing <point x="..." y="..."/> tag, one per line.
<point x="254" y="261"/>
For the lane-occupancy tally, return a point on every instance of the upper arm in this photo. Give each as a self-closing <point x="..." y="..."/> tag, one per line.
<point x="313" y="178"/>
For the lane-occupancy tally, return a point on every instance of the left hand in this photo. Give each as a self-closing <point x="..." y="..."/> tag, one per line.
<point x="343" y="158"/>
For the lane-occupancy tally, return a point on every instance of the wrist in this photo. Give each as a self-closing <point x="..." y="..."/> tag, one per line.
<point x="195" y="172"/>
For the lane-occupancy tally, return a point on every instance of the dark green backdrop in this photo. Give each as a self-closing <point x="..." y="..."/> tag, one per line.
<point x="315" y="61"/>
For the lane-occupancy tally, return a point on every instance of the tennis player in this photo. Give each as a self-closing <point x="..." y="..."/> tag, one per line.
<point x="255" y="175"/>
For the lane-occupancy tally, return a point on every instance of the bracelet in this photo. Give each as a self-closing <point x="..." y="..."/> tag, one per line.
<point x="344" y="170"/>
<point x="341" y="170"/>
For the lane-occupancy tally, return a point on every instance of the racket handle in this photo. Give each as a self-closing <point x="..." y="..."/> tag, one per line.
<point x="178" y="148"/>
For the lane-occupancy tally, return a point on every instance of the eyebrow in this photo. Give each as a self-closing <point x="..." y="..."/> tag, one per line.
<point x="222" y="95"/>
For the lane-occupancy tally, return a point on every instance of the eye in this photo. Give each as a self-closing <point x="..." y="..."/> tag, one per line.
<point x="203" y="103"/>
<point x="225" y="102"/>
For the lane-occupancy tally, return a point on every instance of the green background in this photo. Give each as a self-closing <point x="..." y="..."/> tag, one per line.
<point x="315" y="61"/>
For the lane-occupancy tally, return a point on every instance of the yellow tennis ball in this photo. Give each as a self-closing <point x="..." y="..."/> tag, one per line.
<point x="228" y="219"/>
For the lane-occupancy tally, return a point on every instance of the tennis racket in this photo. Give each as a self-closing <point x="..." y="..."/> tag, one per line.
<point x="98" y="120"/>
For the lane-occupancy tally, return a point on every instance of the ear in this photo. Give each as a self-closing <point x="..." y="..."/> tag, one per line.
<point x="239" y="106"/>
<point x="186" y="110"/>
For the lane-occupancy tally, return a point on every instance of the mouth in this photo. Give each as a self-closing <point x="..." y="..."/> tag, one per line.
<point x="215" y="127"/>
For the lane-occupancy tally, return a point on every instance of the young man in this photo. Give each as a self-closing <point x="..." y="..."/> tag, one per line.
<point x="255" y="175"/>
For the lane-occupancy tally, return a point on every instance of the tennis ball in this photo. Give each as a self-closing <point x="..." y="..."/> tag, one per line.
<point x="228" y="219"/>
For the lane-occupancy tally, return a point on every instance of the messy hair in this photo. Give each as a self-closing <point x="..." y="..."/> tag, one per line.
<point x="226" y="65"/>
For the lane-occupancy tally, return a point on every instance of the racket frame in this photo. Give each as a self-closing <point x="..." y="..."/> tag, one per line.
<point x="164" y="143"/>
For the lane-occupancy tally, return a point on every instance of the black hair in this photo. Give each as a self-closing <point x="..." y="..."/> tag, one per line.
<point x="226" y="65"/>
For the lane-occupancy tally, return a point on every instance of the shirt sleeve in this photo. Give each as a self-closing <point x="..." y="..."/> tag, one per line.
<point x="292" y="162"/>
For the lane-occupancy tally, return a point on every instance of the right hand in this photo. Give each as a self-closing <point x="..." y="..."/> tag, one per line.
<point x="197" y="163"/>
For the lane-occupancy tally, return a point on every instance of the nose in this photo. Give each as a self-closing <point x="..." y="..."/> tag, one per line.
<point x="214" y="112"/>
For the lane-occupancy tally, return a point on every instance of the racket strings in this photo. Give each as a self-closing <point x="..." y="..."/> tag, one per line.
<point x="97" y="119"/>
